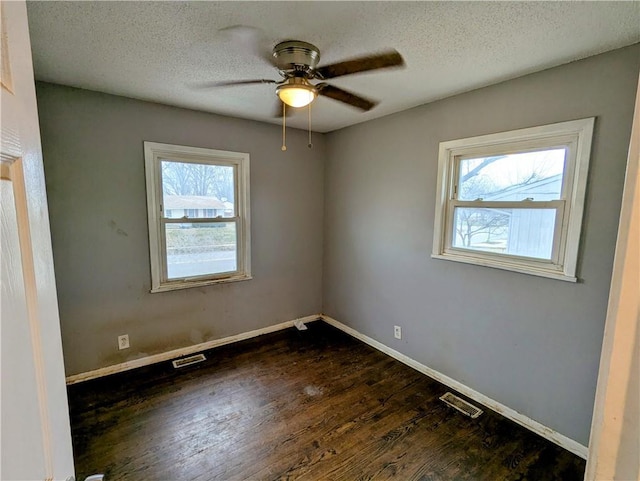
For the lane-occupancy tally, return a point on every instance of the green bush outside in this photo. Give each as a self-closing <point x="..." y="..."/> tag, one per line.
<point x="200" y="238"/>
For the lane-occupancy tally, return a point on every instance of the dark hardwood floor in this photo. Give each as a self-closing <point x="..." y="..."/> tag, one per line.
<point x="312" y="405"/>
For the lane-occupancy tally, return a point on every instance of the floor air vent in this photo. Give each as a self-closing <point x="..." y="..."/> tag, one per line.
<point x="187" y="361"/>
<point x="461" y="405"/>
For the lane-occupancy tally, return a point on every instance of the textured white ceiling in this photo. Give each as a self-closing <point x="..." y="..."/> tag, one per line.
<point x="158" y="50"/>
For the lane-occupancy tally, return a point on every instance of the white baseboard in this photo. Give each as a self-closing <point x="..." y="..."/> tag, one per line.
<point x="184" y="351"/>
<point x="547" y="433"/>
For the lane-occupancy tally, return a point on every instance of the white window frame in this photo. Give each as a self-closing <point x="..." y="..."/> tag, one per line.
<point x="153" y="153"/>
<point x="576" y="136"/>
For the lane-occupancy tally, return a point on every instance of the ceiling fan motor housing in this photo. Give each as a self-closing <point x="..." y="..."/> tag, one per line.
<point x="294" y="56"/>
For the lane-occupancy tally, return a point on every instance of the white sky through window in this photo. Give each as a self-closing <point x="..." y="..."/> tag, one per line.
<point x="513" y="168"/>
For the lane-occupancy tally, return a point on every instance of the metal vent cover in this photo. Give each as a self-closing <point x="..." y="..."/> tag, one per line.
<point x="187" y="361"/>
<point x="461" y="405"/>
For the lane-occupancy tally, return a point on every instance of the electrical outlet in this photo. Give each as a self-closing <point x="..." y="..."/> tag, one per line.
<point x="123" y="341"/>
<point x="397" y="332"/>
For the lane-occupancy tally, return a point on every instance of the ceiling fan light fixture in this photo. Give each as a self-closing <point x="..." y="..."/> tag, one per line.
<point x="297" y="92"/>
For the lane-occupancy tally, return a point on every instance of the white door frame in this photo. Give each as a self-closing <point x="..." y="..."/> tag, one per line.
<point x="614" y="447"/>
<point x="36" y="437"/>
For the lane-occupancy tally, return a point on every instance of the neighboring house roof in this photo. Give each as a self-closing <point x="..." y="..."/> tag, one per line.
<point x="539" y="190"/>
<point x="192" y="202"/>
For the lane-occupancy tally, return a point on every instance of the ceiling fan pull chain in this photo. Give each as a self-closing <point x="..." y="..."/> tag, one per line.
<point x="310" y="145"/>
<point x="284" y="126"/>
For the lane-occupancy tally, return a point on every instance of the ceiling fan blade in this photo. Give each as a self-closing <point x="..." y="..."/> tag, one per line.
<point x="341" y="95"/>
<point x="231" y="83"/>
<point x="371" y="62"/>
<point x="249" y="39"/>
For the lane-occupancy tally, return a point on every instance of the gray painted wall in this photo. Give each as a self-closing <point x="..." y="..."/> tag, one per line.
<point x="94" y="168"/>
<point x="528" y="342"/>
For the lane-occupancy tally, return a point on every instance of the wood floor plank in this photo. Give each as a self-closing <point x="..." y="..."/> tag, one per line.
<point x="296" y="405"/>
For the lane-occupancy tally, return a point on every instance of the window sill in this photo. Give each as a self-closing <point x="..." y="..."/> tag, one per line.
<point x="522" y="269"/>
<point x="181" y="284"/>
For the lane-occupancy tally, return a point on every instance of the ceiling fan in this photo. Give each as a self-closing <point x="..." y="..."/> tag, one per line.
<point x="297" y="63"/>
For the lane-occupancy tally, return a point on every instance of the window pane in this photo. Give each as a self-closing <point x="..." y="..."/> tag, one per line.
<point x="519" y="232"/>
<point x="201" y="249"/>
<point x="515" y="177"/>
<point x="197" y="191"/>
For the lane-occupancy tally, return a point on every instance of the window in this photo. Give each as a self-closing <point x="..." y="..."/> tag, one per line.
<point x="514" y="200"/>
<point x="190" y="246"/>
